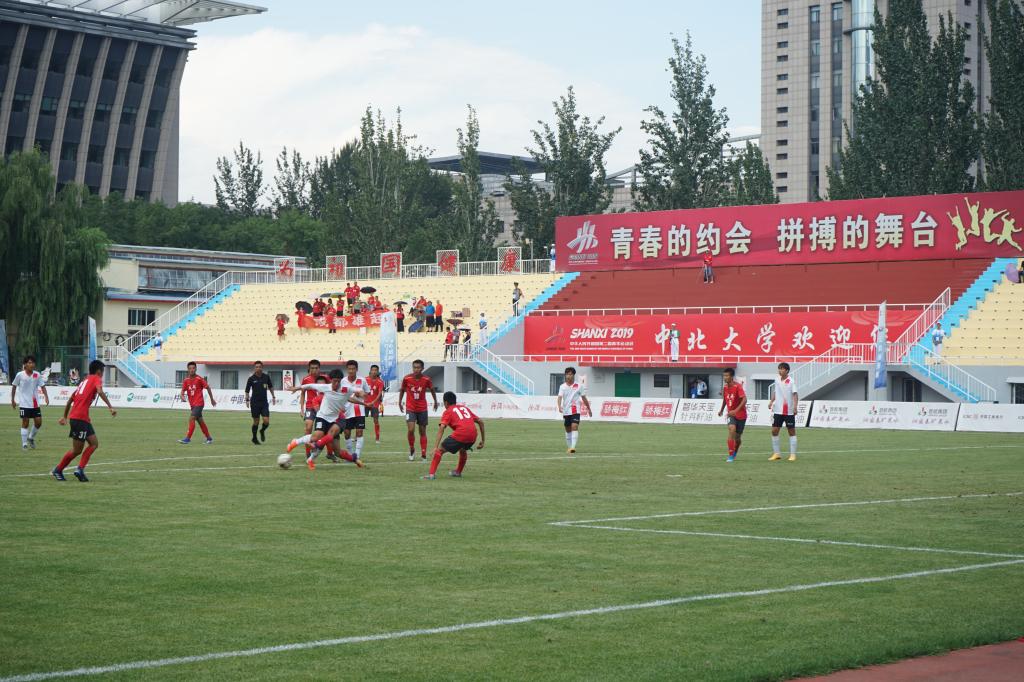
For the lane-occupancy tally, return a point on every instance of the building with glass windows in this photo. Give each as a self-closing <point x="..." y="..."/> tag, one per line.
<point x="814" y="57"/>
<point x="95" y="85"/>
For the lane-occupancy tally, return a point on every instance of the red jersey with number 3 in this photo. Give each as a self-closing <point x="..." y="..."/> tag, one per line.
<point x="313" y="398"/>
<point x="462" y="422"/>
<point x="733" y="395"/>
<point x="416" y="392"/>
<point x="194" y="388"/>
<point x="83" y="397"/>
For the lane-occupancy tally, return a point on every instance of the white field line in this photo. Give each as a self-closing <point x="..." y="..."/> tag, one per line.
<point x="480" y="625"/>
<point x="818" y="505"/>
<point x="808" y="541"/>
<point x="475" y="460"/>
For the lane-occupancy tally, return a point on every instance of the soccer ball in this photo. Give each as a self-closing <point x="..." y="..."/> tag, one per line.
<point x="284" y="460"/>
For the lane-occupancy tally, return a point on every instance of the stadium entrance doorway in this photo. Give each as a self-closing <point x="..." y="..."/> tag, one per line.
<point x="627" y="385"/>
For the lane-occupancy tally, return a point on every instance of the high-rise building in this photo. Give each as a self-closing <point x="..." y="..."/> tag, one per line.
<point x="95" y="85"/>
<point x="815" y="54"/>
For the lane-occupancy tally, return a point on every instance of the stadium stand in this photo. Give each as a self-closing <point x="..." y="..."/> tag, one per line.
<point x="240" y="326"/>
<point x="825" y="284"/>
<point x="993" y="332"/>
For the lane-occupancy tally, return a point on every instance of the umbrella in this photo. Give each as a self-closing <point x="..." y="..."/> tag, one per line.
<point x="400" y="303"/>
<point x="455" y="321"/>
<point x="304" y="306"/>
<point x="369" y="290"/>
<point x="1012" y="274"/>
<point x="282" y="316"/>
<point x="464" y="329"/>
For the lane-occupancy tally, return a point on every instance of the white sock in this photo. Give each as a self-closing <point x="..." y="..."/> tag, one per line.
<point x="575" y="438"/>
<point x="359" y="446"/>
<point x="304" y="440"/>
<point x="348" y="445"/>
<point x="568" y="439"/>
<point x="792" y="445"/>
<point x="24" y="436"/>
<point x="775" y="444"/>
<point x="32" y="431"/>
<point x="315" y="453"/>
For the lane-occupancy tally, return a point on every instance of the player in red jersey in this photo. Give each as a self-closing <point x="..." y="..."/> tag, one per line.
<point x="375" y="401"/>
<point x="309" y="401"/>
<point x="734" y="399"/>
<point x="463" y="424"/>
<point x="416" y="385"/>
<point x="81" y="426"/>
<point x="193" y="386"/>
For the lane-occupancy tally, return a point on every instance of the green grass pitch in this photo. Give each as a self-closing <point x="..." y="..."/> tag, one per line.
<point x="175" y="551"/>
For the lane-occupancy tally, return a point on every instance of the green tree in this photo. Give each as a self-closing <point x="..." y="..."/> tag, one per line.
<point x="291" y="183"/>
<point x="239" y="185"/>
<point x="571" y="154"/>
<point x="1003" y="126"/>
<point x="475" y="221"/>
<point x="750" y="179"/>
<point x="49" y="256"/>
<point x="682" y="166"/>
<point x="914" y="127"/>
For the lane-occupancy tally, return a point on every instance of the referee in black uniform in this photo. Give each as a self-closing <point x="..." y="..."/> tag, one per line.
<point x="258" y="385"/>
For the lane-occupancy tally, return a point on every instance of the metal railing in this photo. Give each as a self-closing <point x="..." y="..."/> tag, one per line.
<point x="811" y="374"/>
<point x="130" y="365"/>
<point x="508" y="377"/>
<point x="961" y="382"/>
<point x="932" y="313"/>
<point x="726" y="310"/>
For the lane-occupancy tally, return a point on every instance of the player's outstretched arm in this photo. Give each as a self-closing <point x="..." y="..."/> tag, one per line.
<point x="480" y="424"/>
<point x="103" y="396"/>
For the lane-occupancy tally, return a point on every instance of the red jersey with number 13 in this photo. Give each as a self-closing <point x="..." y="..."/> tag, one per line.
<point x="462" y="422"/>
<point x="733" y="395"/>
<point x="416" y="392"/>
<point x="83" y="397"/>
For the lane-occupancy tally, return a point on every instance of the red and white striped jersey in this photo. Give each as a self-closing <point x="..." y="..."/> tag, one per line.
<point x="572" y="398"/>
<point x="785" y="392"/>
<point x="358" y="388"/>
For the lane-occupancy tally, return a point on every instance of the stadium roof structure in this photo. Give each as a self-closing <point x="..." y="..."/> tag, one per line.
<point x="166" y="12"/>
<point x="491" y="163"/>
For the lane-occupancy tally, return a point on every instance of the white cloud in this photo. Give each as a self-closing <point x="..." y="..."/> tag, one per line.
<point x="274" y="88"/>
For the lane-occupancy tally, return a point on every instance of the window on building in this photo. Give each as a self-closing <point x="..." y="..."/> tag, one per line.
<point x="781" y="110"/>
<point x="782" y="77"/>
<point x="815" y="81"/>
<point x="782" y="124"/>
<point x="837" y="11"/>
<point x="782" y="175"/>
<point x="69" y="152"/>
<point x="837" y="113"/>
<point x="121" y="156"/>
<point x="815" y="48"/>
<point x="95" y="153"/>
<point x="14" y="144"/>
<point x="814" y="185"/>
<point x="48" y="107"/>
<point x="781" y="156"/>
<point x="128" y="115"/>
<point x="141" y="317"/>
<point x="58" y="62"/>
<point x="763" y="389"/>
<point x="85" y="66"/>
<point x="5" y="55"/>
<point x="138" y="73"/>
<point x="782" y="143"/>
<point x="29" y="58"/>
<point x="229" y="379"/>
<point x="661" y="381"/>
<point x="815" y="11"/>
<point x="782" y="44"/>
<point x="781" y="91"/>
<point x="814" y="114"/>
<point x="967" y="72"/>
<point x="967" y="25"/>
<point x="163" y="77"/>
<point x="1017" y="394"/>
<point x="782" y="25"/>
<point x="102" y="111"/>
<point x="179" y="376"/>
<point x="837" y="45"/>
<point x="837" y="80"/>
<point x="20" y="102"/>
<point x="782" y="12"/>
<point x="837" y="145"/>
<point x="147" y="159"/>
<point x="815" y="148"/>
<point x="76" y="108"/>
<point x="43" y="145"/>
<point x="781" y="189"/>
<point x="142" y="195"/>
<point x="93" y="190"/>
<point x="112" y="70"/>
<point x="967" y="60"/>
<point x="782" y="58"/>
<point x="153" y="118"/>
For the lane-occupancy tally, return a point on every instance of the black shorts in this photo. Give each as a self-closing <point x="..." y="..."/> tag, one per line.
<point x="740" y="424"/>
<point x="259" y="410"/>
<point x="570" y="419"/>
<point x="197" y="411"/>
<point x="430" y="321"/>
<point x="353" y="423"/>
<point x="30" y="412"/>
<point x="322" y="425"/>
<point x="373" y="411"/>
<point x="787" y="420"/>
<point x="81" y="430"/>
<point x="309" y="414"/>
<point x="417" y="417"/>
<point x="449" y="444"/>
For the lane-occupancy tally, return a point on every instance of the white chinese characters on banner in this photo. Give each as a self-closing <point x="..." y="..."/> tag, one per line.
<point x="678" y="241"/>
<point x="855" y="233"/>
<point x="738" y="239"/>
<point x="823" y="234"/>
<point x="709" y="239"/>
<point x="888" y="231"/>
<point x="622" y="242"/>
<point x="650" y="241"/>
<point x="791" y="235"/>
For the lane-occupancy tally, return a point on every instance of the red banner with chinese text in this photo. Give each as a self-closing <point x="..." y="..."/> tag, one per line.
<point x="980" y="225"/>
<point x="342" y="321"/>
<point x="797" y="334"/>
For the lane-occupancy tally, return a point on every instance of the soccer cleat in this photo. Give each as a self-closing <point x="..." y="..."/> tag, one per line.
<point x="263" y="435"/>
<point x="80" y="475"/>
<point x="294" y="444"/>
<point x="730" y="458"/>
<point x="572" y="451"/>
<point x="24" y="446"/>
<point x="775" y="457"/>
<point x="334" y="458"/>
<point x="58" y="475"/>
<point x="455" y="474"/>
<point x="428" y="477"/>
<point x="185" y="441"/>
<point x="412" y="457"/>
<point x="792" y="458"/>
<point x="254" y="441"/>
<point x="424" y="455"/>
<point x="208" y="441"/>
<point x="377" y="441"/>
<point x="311" y="463"/>
<point x="32" y="443"/>
<point x="359" y="462"/>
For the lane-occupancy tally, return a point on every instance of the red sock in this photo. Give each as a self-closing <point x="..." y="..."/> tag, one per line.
<point x="346" y="455"/>
<point x="191" y="428"/>
<point x="463" y="456"/>
<point x="322" y="443"/>
<point x="206" y="431"/>
<point x="435" y="462"/>
<point x="66" y="460"/>
<point x="86" y="454"/>
<point x="423" y="444"/>
<point x="412" y="440"/>
<point x="376" y="431"/>
<point x="732" y="445"/>
<point x="309" y="449"/>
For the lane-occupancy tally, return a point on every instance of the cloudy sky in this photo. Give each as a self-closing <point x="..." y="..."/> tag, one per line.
<point x="301" y="74"/>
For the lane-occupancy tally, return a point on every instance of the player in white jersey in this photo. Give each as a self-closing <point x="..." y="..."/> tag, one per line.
<point x="783" y="405"/>
<point x="572" y="400"/>
<point x="327" y="425"/>
<point x="355" y="412"/>
<point x="25" y="398"/>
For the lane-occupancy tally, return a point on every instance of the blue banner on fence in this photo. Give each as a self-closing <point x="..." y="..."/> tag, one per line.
<point x="92" y="339"/>
<point x="388" y="347"/>
<point x="881" y="350"/>
<point x="5" y="364"/>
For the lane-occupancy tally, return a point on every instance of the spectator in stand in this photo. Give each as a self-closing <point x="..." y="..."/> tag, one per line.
<point x="280" y="329"/>
<point x="673" y="340"/>
<point x="330" y="315"/>
<point x="467" y="343"/>
<point x="449" y="339"/>
<point x="399" y="318"/>
<point x="938" y="336"/>
<point x="428" y="312"/>
<point x="551" y="251"/>
<point x="158" y="345"/>
<point x="517" y="294"/>
<point x="693" y="389"/>
<point x="483" y="328"/>
<point x="318" y="307"/>
<point x="438" y="317"/>
<point x="709" y="273"/>
<point x="300" y="314"/>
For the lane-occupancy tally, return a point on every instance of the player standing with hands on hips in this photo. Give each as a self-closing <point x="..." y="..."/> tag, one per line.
<point x="571" y="397"/>
<point x="783" y="405"/>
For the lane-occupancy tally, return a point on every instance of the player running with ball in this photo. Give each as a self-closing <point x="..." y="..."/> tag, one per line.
<point x="571" y="398"/>
<point x="734" y="399"/>
<point x="463" y="424"/>
<point x="327" y="427"/>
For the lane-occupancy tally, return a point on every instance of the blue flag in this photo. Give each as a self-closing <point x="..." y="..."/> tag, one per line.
<point x="881" y="350"/>
<point x="5" y="364"/>
<point x="388" y="347"/>
<point x="92" y="339"/>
